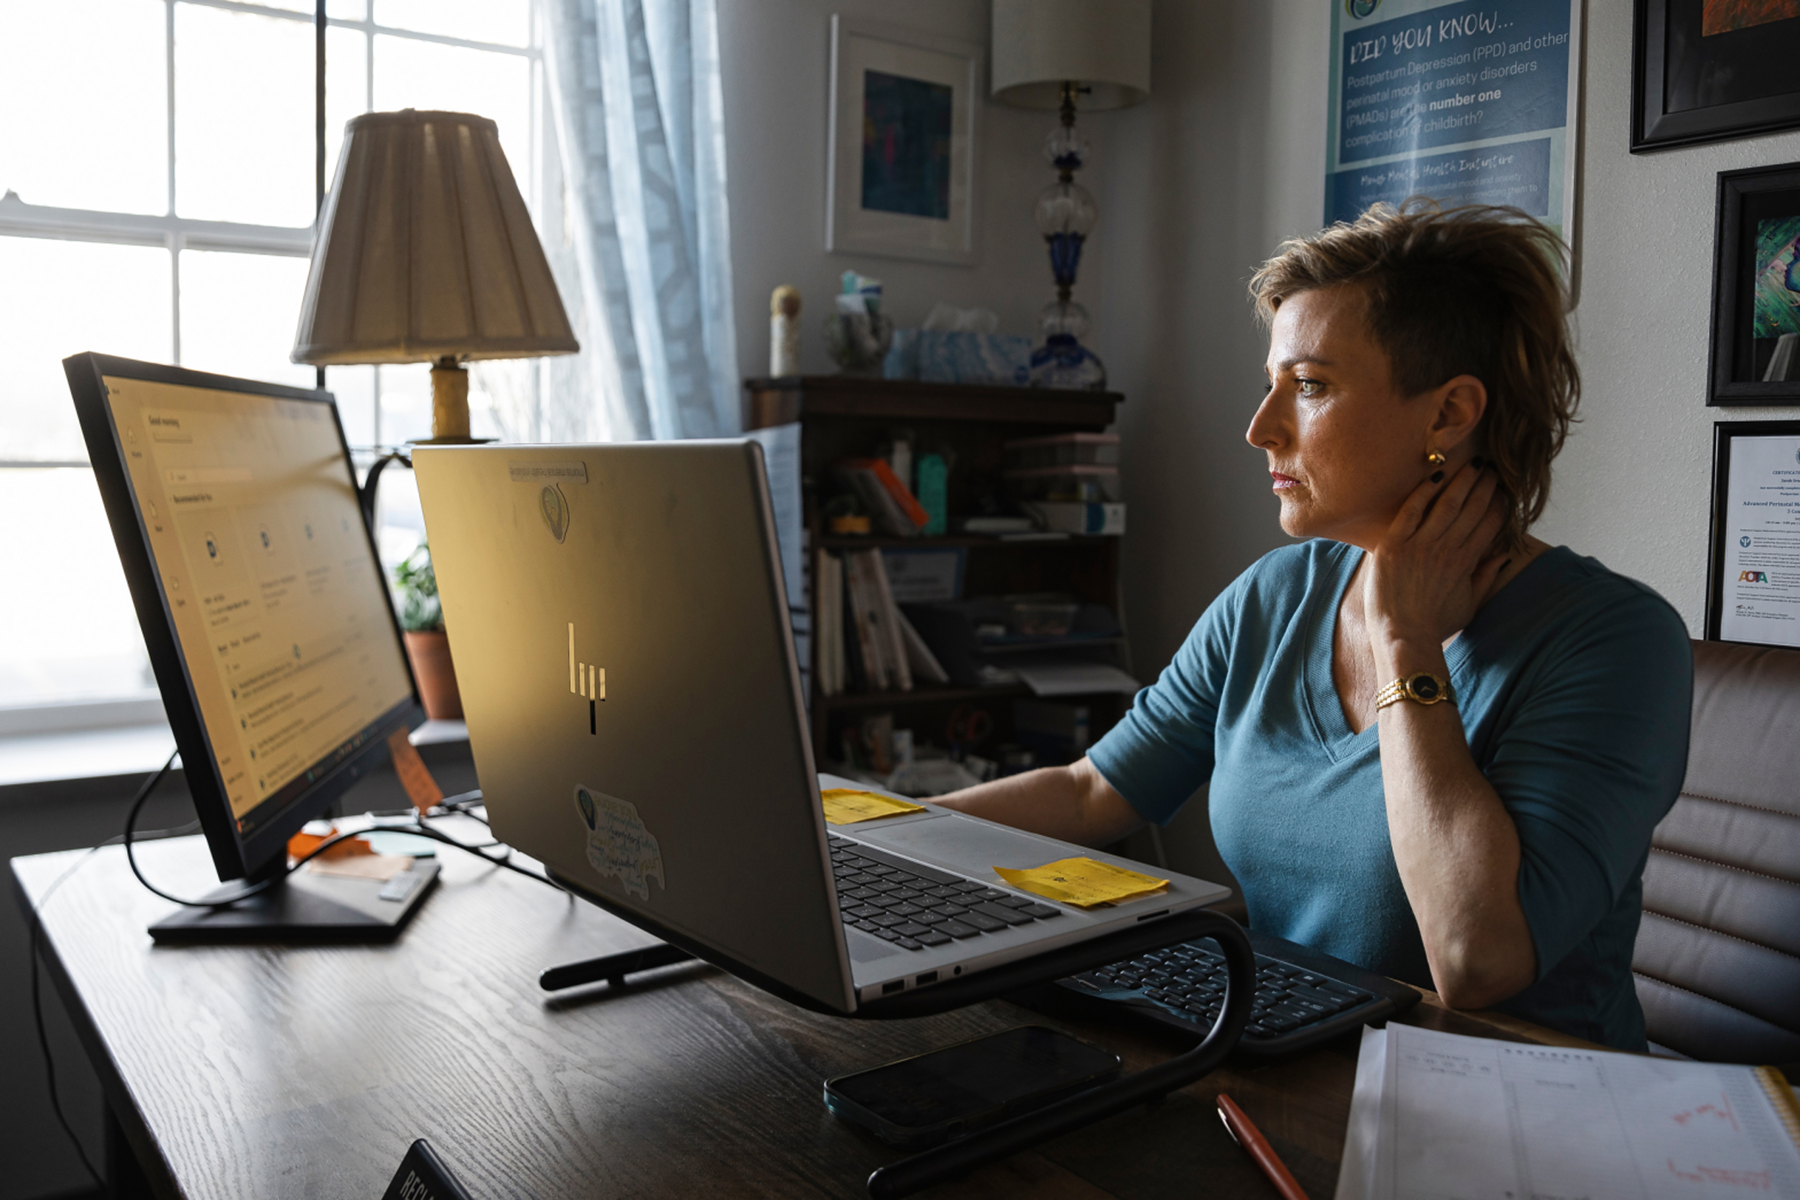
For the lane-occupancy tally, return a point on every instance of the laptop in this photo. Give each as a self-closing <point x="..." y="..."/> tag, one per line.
<point x="622" y="643"/>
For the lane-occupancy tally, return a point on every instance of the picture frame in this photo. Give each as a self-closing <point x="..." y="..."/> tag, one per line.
<point x="905" y="121"/>
<point x="1756" y="288"/>
<point x="1695" y="77"/>
<point x="1752" y="595"/>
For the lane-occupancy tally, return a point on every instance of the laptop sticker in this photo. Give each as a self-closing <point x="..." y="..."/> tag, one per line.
<point x="618" y="845"/>
<point x="553" y="506"/>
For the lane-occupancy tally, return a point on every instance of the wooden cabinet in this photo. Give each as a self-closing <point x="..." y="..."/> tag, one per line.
<point x="848" y="416"/>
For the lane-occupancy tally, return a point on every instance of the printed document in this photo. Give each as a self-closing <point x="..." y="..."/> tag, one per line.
<point x="1439" y="1115"/>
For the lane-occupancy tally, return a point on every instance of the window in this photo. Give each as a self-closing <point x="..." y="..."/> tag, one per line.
<point x="159" y="190"/>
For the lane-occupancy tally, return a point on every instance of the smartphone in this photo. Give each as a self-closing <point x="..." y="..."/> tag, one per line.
<point x="930" y="1098"/>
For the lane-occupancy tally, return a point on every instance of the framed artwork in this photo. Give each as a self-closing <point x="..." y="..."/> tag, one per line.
<point x="1755" y="356"/>
<point x="905" y="113"/>
<point x="1707" y="70"/>
<point x="1753" y="564"/>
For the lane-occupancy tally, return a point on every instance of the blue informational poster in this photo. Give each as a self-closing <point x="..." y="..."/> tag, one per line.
<point x="1465" y="101"/>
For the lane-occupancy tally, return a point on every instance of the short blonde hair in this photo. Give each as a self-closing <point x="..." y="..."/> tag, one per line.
<point x="1465" y="291"/>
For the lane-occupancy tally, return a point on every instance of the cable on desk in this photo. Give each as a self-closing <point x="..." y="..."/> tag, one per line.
<point x="462" y="804"/>
<point x="416" y="827"/>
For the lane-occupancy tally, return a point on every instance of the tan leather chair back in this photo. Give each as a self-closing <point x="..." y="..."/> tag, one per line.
<point x="1718" y="954"/>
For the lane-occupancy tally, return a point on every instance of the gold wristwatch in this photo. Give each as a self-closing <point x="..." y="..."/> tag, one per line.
<point x="1423" y="688"/>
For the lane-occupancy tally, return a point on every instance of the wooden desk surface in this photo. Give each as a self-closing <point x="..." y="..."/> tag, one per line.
<point x="306" y="1071"/>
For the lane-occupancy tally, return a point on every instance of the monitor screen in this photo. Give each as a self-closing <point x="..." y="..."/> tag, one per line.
<point x="272" y="596"/>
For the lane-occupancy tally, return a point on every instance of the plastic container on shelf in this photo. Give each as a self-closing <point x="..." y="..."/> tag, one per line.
<point x="1034" y="617"/>
<point x="1078" y="483"/>
<point x="1063" y="449"/>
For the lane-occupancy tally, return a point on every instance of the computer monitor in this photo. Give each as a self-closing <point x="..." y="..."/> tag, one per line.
<point x="266" y="617"/>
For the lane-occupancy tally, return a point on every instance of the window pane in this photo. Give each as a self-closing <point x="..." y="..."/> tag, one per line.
<point x="354" y="388"/>
<point x="405" y="402"/>
<point x="346" y="88"/>
<point x="243" y="117"/>
<point x="58" y="299"/>
<point x="239" y="312"/>
<point x="347" y="10"/>
<point x="84" y="642"/>
<point x="507" y="22"/>
<point x="399" y="520"/>
<point x="425" y="75"/>
<point x="82" y="83"/>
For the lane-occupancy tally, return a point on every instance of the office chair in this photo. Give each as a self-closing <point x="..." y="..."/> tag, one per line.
<point x="1718" y="954"/>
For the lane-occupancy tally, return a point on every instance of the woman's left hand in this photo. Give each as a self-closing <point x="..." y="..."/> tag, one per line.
<point x="1436" y="564"/>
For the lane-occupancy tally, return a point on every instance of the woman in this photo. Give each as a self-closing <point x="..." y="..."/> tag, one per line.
<point x="1436" y="746"/>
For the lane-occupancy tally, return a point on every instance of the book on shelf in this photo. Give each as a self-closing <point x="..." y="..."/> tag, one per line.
<point x="889" y="501"/>
<point x="866" y="642"/>
<point x="925" y="664"/>
<point x="871" y="630"/>
<point x="893" y="647"/>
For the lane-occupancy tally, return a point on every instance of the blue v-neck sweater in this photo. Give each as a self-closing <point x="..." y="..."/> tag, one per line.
<point x="1574" y="686"/>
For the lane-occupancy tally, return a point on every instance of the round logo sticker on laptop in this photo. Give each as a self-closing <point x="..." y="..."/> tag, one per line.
<point x="553" y="506"/>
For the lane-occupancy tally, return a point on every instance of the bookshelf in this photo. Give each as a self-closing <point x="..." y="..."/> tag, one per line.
<point x="849" y="416"/>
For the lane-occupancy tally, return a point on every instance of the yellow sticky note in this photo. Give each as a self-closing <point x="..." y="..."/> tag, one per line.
<point x="1082" y="882"/>
<point x="847" y="806"/>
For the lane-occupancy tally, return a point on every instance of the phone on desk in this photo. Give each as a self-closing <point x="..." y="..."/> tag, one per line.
<point x="930" y="1098"/>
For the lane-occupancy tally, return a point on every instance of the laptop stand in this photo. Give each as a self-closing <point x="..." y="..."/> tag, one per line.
<point x="958" y="1157"/>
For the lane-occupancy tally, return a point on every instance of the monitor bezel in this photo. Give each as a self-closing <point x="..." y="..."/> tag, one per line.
<point x="263" y="851"/>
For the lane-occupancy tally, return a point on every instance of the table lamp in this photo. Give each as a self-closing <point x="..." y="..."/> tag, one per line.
<point x="1047" y="54"/>
<point x="426" y="253"/>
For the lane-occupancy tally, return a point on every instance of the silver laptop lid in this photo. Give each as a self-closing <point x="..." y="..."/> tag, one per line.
<point x="619" y="627"/>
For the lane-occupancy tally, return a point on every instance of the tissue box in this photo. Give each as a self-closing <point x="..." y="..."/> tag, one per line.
<point x="945" y="356"/>
<point x="954" y="357"/>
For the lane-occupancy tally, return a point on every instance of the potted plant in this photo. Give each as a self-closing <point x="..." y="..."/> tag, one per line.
<point x="427" y="645"/>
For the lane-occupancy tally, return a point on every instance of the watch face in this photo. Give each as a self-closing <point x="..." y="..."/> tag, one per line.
<point x="1423" y="687"/>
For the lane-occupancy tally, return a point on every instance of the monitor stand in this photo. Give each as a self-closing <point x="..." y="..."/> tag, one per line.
<point x="306" y="906"/>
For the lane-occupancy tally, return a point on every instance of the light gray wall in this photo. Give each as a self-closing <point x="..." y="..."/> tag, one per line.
<point x="775" y="61"/>
<point x="1633" y="488"/>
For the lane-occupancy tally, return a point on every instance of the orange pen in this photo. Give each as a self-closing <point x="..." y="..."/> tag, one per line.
<point x="1251" y="1139"/>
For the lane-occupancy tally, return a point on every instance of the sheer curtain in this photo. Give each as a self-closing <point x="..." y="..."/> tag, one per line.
<point x="639" y="121"/>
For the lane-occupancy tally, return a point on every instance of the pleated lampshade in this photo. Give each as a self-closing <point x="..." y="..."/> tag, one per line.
<point x="426" y="251"/>
<point x="1104" y="45"/>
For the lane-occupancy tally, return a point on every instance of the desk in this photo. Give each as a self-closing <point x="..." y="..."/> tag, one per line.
<point x="306" y="1072"/>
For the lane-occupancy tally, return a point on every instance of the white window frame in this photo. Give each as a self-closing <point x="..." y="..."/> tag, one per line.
<point x="176" y="234"/>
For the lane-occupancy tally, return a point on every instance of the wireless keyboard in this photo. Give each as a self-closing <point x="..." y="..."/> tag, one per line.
<point x="1303" y="997"/>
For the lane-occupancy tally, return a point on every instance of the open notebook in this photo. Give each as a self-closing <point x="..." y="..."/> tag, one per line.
<point x="1439" y="1115"/>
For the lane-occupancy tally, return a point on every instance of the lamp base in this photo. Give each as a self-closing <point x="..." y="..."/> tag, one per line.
<point x="1063" y="362"/>
<point x="449" y="400"/>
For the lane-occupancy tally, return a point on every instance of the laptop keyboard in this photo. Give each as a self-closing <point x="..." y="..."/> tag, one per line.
<point x="914" y="906"/>
<point x="1188" y="982"/>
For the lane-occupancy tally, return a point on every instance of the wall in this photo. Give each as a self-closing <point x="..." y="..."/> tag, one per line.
<point x="775" y="60"/>
<point x="1633" y="488"/>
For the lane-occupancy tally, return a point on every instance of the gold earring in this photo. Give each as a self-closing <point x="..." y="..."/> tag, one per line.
<point x="1434" y="458"/>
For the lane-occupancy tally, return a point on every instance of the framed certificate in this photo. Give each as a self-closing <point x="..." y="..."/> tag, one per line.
<point x="1753" y="568"/>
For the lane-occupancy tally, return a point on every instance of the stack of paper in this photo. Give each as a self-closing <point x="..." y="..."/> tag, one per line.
<point x="1437" y="1115"/>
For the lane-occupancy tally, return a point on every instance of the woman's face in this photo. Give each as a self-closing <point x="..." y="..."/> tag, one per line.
<point x="1345" y="448"/>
